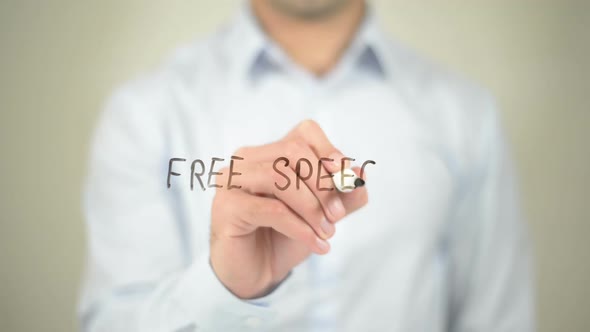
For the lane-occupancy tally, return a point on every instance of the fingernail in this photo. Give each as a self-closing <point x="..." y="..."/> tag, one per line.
<point x="336" y="208"/>
<point x="323" y="245"/>
<point x="327" y="228"/>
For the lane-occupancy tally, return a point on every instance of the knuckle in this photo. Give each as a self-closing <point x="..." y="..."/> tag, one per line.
<point x="258" y="168"/>
<point x="277" y="177"/>
<point x="275" y="208"/>
<point x="293" y="148"/>
<point x="308" y="124"/>
<point x="253" y="211"/>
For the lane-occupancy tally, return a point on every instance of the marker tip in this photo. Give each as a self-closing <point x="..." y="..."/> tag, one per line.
<point x="358" y="182"/>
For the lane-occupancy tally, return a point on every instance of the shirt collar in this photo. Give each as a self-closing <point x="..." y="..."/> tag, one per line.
<point x="252" y="53"/>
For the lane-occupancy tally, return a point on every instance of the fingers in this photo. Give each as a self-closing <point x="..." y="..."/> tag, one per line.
<point x="252" y="212"/>
<point x="263" y="180"/>
<point x="298" y="152"/>
<point x="311" y="132"/>
<point x="322" y="188"/>
<point x="303" y="147"/>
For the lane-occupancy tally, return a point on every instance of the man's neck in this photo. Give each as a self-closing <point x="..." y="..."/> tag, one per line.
<point x="315" y="44"/>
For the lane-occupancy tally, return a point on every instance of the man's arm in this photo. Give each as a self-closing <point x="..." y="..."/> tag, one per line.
<point x="491" y="284"/>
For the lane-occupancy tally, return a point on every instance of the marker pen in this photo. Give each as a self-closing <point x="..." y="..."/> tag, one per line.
<point x="346" y="180"/>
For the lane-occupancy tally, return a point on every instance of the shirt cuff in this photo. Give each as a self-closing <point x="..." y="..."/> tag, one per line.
<point x="215" y="308"/>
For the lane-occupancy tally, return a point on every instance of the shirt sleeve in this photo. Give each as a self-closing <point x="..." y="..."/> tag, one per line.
<point x="138" y="276"/>
<point x="491" y="284"/>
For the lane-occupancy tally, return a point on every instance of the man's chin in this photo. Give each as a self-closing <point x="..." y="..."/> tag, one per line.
<point x="309" y="9"/>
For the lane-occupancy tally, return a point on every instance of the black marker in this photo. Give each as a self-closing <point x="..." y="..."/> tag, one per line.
<point x="346" y="181"/>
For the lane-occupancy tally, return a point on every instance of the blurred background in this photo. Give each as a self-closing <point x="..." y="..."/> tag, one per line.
<point x="59" y="60"/>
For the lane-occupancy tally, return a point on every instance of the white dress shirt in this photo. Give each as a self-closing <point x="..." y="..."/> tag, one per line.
<point x="439" y="247"/>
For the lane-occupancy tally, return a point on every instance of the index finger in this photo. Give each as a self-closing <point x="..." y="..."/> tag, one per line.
<point x="311" y="132"/>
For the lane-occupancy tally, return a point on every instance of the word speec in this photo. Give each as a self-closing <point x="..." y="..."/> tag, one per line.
<point x="276" y="164"/>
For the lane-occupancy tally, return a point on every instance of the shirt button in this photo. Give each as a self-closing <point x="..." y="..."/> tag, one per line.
<point x="252" y="322"/>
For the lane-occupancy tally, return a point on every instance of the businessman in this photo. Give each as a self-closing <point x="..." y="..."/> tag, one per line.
<point x="433" y="241"/>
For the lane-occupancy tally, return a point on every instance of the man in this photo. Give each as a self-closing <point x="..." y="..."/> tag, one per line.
<point x="438" y="246"/>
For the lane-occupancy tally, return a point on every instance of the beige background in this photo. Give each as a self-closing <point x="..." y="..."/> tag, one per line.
<point x="60" y="59"/>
